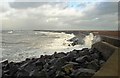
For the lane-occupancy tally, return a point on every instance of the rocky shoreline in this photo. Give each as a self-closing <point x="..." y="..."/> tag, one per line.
<point x="74" y="64"/>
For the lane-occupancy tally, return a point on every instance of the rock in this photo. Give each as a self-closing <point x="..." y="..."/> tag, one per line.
<point x="5" y="62"/>
<point x="41" y="56"/>
<point x="38" y="63"/>
<point x="5" y="67"/>
<point x="30" y="67"/>
<point x="52" y="61"/>
<point x="24" y="65"/>
<point x="101" y="62"/>
<point x="27" y="59"/>
<point x="60" y="74"/>
<point x="81" y="59"/>
<point x="46" y="66"/>
<point x="47" y="57"/>
<point x="47" y="60"/>
<point x="52" y="72"/>
<point x="6" y="76"/>
<point x="69" y="45"/>
<point x="42" y="60"/>
<point x="82" y="72"/>
<point x="60" y="62"/>
<point x="76" y="51"/>
<point x="22" y="72"/>
<point x="13" y="70"/>
<point x="93" y="50"/>
<point x="6" y="72"/>
<point x="94" y="56"/>
<point x="93" y="65"/>
<point x="85" y="49"/>
<point x="33" y="59"/>
<point x="43" y="74"/>
<point x="73" y="63"/>
<point x="89" y="58"/>
<point x="68" y="68"/>
<point x="70" y="56"/>
<point x="34" y="73"/>
<point x="84" y="52"/>
<point x="59" y="55"/>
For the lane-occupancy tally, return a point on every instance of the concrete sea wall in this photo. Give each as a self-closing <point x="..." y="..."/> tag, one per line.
<point x="109" y="48"/>
<point x="111" y="40"/>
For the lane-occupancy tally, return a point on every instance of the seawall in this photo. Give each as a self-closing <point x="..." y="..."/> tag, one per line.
<point x="112" y="40"/>
<point x="110" y="48"/>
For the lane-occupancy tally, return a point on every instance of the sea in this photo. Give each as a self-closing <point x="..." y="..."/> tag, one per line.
<point x="18" y="45"/>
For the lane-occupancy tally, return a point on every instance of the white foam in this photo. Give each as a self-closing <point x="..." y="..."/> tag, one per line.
<point x="10" y="32"/>
<point x="88" y="40"/>
<point x="38" y="45"/>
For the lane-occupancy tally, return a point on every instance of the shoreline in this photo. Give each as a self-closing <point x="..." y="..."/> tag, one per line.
<point x="85" y="62"/>
<point x="59" y="65"/>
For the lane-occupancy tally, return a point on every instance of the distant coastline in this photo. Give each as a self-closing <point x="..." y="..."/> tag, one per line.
<point x="114" y="33"/>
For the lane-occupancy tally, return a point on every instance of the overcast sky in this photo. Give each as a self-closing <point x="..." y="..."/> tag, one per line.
<point x="59" y="15"/>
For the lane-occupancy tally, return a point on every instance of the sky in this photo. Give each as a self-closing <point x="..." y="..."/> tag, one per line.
<point x="59" y="15"/>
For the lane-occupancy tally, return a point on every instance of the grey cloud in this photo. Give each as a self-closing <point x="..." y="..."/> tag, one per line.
<point x="25" y="5"/>
<point x="106" y="12"/>
<point x="107" y="7"/>
<point x="103" y="9"/>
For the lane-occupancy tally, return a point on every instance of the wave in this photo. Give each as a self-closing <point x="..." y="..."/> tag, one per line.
<point x="36" y="43"/>
<point x="3" y="42"/>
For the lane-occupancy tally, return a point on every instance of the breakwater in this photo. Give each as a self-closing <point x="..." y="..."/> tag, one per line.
<point x="74" y="64"/>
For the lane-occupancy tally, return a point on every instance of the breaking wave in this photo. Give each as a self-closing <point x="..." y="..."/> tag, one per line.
<point x="19" y="45"/>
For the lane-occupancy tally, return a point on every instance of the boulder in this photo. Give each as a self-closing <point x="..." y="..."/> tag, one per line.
<point x="5" y="62"/>
<point x="101" y="62"/>
<point x="34" y="73"/>
<point x="24" y="65"/>
<point x="30" y="67"/>
<point x="43" y="74"/>
<point x="22" y="72"/>
<point x="46" y="66"/>
<point x="13" y="70"/>
<point x="70" y="56"/>
<point x="27" y="59"/>
<point x="68" y="68"/>
<point x="51" y="73"/>
<point x="95" y="56"/>
<point x="59" y="74"/>
<point x="38" y="63"/>
<point x="6" y="72"/>
<point x="52" y="61"/>
<point x="82" y="72"/>
<point x="60" y="62"/>
<point x="93" y="65"/>
<point x="84" y="52"/>
<point x="81" y="59"/>
<point x="73" y="63"/>
<point x="59" y="55"/>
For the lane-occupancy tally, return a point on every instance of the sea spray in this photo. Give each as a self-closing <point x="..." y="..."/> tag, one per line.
<point x="20" y="45"/>
<point x="88" y="40"/>
<point x="91" y="39"/>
